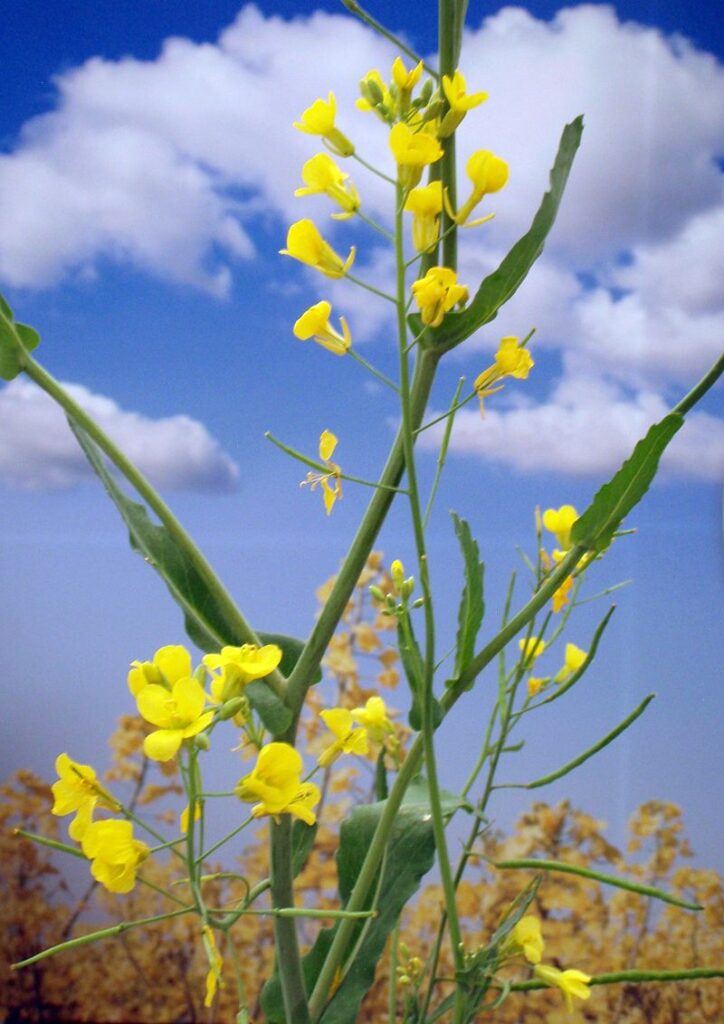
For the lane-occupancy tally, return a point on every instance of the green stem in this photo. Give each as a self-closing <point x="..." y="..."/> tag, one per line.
<point x="373" y="224"/>
<point x="369" y="287"/>
<point x="244" y="632"/>
<point x="535" y="864"/>
<point x="104" y="933"/>
<point x="569" y="767"/>
<point x="52" y="844"/>
<point x="323" y="630"/>
<point x="442" y="454"/>
<point x="370" y="167"/>
<point x="619" y="977"/>
<point x="229" y="835"/>
<point x="373" y="370"/>
<point x="354" y="8"/>
<point x="700" y="389"/>
<point x="451" y="14"/>
<point x="285" y="930"/>
<point x="428" y="725"/>
<point x="365" y="879"/>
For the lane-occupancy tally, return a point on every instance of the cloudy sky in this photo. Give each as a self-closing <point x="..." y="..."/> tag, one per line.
<point x="147" y="171"/>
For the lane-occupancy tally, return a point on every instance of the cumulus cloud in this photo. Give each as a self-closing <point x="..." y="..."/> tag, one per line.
<point x="39" y="452"/>
<point x="586" y="428"/>
<point x="163" y="162"/>
<point x="168" y="164"/>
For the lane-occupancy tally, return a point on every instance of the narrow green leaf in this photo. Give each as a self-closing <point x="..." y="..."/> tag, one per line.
<point x="206" y="623"/>
<point x="613" y="502"/>
<point x="472" y="605"/>
<point x="157" y="547"/>
<point x="597" y="876"/>
<point x="502" y="284"/>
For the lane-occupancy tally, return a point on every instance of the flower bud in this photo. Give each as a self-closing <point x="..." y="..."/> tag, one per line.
<point x="202" y="741"/>
<point x="232" y="707"/>
<point x="397" y="571"/>
<point x="407" y="587"/>
<point x="376" y="592"/>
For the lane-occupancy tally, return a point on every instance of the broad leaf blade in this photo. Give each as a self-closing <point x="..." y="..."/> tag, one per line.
<point x="410" y="855"/>
<point x="502" y="284"/>
<point x="274" y="713"/>
<point x="472" y="606"/>
<point x="613" y="502"/>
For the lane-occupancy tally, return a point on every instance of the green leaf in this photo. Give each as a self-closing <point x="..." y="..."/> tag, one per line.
<point x="206" y="622"/>
<point x="303" y="837"/>
<point x="613" y="502"/>
<point x="502" y="284"/>
<point x="14" y="338"/>
<point x="410" y="855"/>
<point x="274" y="713"/>
<point x="472" y="605"/>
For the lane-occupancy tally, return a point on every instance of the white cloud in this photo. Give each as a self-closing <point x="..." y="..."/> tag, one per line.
<point x="146" y="160"/>
<point x="166" y="164"/>
<point x="39" y="452"/>
<point x="586" y="428"/>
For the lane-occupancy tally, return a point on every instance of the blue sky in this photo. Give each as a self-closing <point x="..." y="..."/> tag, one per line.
<point x="147" y="166"/>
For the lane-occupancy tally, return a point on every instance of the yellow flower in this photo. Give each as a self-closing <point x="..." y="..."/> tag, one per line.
<point x="178" y="713"/>
<point x="536" y="684"/>
<point x="314" y="323"/>
<point x="275" y="782"/>
<point x="319" y="120"/>
<point x="238" y="666"/>
<point x="213" y="978"/>
<point x="169" y="664"/>
<point x="304" y="243"/>
<point x="425" y="205"/>
<point x="405" y="80"/>
<point x="572" y="983"/>
<point x="574" y="658"/>
<point x="526" y="936"/>
<point x="349" y="740"/>
<point x="531" y="648"/>
<point x="560" y="522"/>
<point x="114" y="852"/>
<point x="488" y="173"/>
<point x="375" y="95"/>
<point x="412" y="151"/>
<point x="459" y="102"/>
<point x="78" y="789"/>
<point x="330" y="491"/>
<point x="511" y="360"/>
<point x="436" y="294"/>
<point x="373" y="718"/>
<point x="321" y="174"/>
<point x="561" y="596"/>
